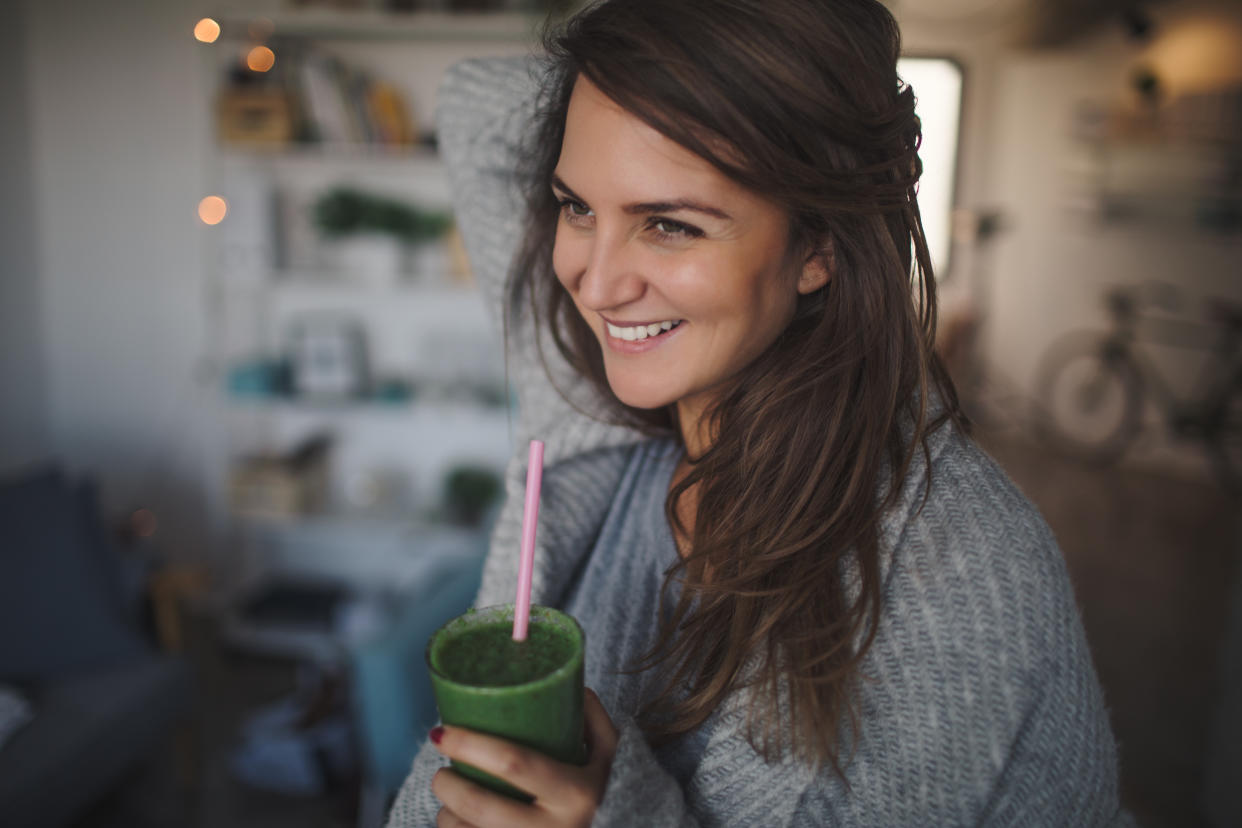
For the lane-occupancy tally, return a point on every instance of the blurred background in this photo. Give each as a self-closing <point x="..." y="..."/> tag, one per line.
<point x="255" y="415"/>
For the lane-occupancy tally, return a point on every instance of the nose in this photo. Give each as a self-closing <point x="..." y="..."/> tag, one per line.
<point x="609" y="277"/>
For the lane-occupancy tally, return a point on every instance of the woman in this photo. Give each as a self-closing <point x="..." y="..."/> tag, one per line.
<point x="808" y="598"/>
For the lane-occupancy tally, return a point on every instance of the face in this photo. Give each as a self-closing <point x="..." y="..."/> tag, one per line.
<point x="684" y="275"/>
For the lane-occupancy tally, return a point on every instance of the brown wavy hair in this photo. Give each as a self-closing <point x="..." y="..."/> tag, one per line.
<point x="799" y="101"/>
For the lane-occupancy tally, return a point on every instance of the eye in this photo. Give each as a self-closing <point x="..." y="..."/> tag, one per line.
<point x="669" y="230"/>
<point x="575" y="212"/>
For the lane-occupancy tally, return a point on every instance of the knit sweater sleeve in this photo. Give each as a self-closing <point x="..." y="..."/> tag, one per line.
<point x="482" y="111"/>
<point x="1062" y="756"/>
<point x="732" y="784"/>
<point x="1061" y="759"/>
<point x="982" y="705"/>
<point x="640" y="791"/>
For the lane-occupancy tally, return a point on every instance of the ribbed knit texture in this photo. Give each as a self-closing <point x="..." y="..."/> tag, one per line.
<point x="616" y="598"/>
<point x="980" y="705"/>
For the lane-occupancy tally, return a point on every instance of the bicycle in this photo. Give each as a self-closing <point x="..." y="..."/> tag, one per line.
<point x="1092" y="387"/>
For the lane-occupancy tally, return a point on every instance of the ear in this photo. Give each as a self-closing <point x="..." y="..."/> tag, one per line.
<point x="817" y="270"/>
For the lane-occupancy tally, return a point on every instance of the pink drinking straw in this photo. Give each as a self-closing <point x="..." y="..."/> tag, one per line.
<point x="530" y="517"/>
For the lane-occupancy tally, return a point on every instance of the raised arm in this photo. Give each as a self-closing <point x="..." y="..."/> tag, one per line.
<point x="482" y="112"/>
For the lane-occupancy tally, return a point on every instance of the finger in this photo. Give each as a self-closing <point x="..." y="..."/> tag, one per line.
<point x="602" y="735"/>
<point x="538" y="775"/>
<point x="469" y="804"/>
<point x="448" y="819"/>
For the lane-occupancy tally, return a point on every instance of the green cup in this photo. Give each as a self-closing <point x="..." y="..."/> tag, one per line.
<point x="528" y="692"/>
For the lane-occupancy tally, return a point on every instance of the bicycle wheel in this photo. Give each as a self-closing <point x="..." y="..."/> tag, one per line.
<point x="1226" y="440"/>
<point x="1090" y="398"/>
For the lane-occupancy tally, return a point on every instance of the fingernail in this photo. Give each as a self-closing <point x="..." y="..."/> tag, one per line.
<point x="437" y="733"/>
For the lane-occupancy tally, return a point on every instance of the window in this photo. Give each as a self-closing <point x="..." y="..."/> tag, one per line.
<point x="937" y="84"/>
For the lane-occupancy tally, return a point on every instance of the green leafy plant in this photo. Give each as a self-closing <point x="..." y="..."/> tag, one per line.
<point x="468" y="493"/>
<point x="345" y="211"/>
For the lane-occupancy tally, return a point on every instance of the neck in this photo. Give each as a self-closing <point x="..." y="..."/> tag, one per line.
<point x="695" y="436"/>
<point x="687" y="508"/>
<point x="693" y="424"/>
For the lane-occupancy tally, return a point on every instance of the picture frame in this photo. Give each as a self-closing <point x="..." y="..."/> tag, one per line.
<point x="328" y="357"/>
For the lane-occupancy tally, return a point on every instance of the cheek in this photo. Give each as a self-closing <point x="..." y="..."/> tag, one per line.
<point x="568" y="259"/>
<point x="779" y="301"/>
<point x="773" y="285"/>
<point x="761" y="303"/>
<point x="745" y="290"/>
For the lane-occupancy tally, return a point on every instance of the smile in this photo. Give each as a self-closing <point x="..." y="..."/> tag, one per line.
<point x="637" y="333"/>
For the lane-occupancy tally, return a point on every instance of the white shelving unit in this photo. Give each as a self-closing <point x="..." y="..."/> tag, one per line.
<point x="429" y="328"/>
<point x="327" y="24"/>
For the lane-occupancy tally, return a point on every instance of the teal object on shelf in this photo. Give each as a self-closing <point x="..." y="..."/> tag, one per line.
<point x="394" y="706"/>
<point x="258" y="379"/>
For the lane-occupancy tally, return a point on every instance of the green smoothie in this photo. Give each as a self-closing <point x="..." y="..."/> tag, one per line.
<point x="528" y="692"/>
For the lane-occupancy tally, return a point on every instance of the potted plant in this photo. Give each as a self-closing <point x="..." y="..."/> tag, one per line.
<point x="373" y="235"/>
<point x="469" y="491"/>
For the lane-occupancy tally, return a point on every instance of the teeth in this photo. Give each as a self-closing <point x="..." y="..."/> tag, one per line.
<point x="641" y="332"/>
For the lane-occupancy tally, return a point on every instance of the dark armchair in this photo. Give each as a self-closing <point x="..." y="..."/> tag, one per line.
<point x="101" y="696"/>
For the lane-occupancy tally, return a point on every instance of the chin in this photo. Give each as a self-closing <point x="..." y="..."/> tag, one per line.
<point x="644" y="401"/>
<point x="638" y="394"/>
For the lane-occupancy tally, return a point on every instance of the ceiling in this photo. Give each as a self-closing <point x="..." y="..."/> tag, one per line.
<point x="1034" y="23"/>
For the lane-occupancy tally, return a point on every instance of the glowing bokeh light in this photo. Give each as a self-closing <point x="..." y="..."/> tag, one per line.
<point x="260" y="59"/>
<point x="1199" y="53"/>
<point x="212" y="209"/>
<point x="206" y="30"/>
<point x="143" y="523"/>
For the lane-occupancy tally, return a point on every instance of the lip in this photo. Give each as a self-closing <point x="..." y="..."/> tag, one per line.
<point x="639" y="346"/>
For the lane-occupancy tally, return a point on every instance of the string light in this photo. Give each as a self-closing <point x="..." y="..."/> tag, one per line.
<point x="260" y="59"/>
<point x="206" y="30"/>
<point x="212" y="209"/>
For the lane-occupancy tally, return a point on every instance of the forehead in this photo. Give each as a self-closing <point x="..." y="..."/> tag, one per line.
<point x="605" y="141"/>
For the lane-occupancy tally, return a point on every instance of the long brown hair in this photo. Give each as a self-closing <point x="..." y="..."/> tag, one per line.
<point x="798" y="100"/>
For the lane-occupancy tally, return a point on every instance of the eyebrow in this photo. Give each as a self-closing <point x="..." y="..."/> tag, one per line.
<point x="652" y="206"/>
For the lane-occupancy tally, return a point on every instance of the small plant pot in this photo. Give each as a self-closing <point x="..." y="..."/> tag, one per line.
<point x="431" y="262"/>
<point x="370" y="259"/>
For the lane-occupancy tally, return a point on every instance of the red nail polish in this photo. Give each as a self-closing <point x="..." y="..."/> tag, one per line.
<point x="437" y="733"/>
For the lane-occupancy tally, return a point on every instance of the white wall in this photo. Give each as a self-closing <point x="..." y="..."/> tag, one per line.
<point x="117" y="128"/>
<point x="23" y="435"/>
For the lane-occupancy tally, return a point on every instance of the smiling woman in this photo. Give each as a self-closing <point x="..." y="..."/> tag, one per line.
<point x="808" y="597"/>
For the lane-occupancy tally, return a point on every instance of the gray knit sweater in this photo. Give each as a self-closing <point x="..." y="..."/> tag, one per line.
<point x="980" y="706"/>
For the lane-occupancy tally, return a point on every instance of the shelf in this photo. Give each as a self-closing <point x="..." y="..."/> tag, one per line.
<point x="318" y="153"/>
<point x="434" y="539"/>
<point x="330" y="284"/>
<point x="338" y="521"/>
<point x="422" y="327"/>
<point x="395" y="311"/>
<point x="331" y="24"/>
<point x="1164" y="184"/>
<point x="312" y="406"/>
<point x="418" y="408"/>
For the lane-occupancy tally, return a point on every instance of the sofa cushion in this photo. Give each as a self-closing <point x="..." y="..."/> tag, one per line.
<point x="87" y="732"/>
<point x="58" y="595"/>
<point x="14" y="712"/>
